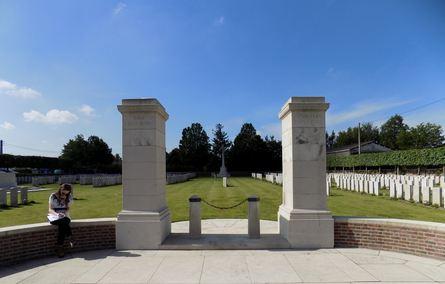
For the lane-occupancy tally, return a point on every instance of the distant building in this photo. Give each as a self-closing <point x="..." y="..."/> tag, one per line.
<point x="365" y="147"/>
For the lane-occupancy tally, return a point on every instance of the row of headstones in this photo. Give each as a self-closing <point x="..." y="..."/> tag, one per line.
<point x="106" y="180"/>
<point x="95" y="180"/>
<point x="13" y="196"/>
<point x="270" y="177"/>
<point x="419" y="189"/>
<point x="176" y="178"/>
<point x="360" y="183"/>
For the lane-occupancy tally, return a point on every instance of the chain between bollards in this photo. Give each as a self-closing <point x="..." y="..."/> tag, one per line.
<point x="224" y="208"/>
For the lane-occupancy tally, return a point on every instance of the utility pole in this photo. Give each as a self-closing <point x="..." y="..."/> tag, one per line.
<point x="359" y="146"/>
<point x="1" y="147"/>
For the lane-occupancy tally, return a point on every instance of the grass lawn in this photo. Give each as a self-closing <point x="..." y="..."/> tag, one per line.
<point x="107" y="202"/>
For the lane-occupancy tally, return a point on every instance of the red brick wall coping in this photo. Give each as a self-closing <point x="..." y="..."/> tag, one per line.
<point x="406" y="236"/>
<point x="24" y="242"/>
<point x="18" y="243"/>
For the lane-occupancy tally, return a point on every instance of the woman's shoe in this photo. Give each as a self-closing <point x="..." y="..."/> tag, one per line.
<point x="71" y="241"/>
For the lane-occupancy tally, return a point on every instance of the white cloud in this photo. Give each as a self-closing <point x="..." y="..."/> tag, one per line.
<point x="5" y="85"/>
<point x="219" y="21"/>
<point x="7" y="125"/>
<point x="119" y="8"/>
<point x="13" y="90"/>
<point x="361" y="110"/>
<point x="53" y="116"/>
<point x="87" y="110"/>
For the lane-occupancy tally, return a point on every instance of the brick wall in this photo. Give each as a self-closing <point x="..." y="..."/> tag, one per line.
<point x="38" y="240"/>
<point x="20" y="243"/>
<point x="412" y="237"/>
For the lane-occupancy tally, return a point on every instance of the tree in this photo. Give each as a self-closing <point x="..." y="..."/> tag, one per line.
<point x="390" y="131"/>
<point x="368" y="132"/>
<point x="195" y="147"/>
<point x="330" y="140"/>
<point x="273" y="154"/>
<point x="247" y="152"/>
<point x="426" y="135"/>
<point x="75" y="151"/>
<point x="174" y="161"/>
<point x="91" y="153"/>
<point x="220" y="140"/>
<point x="98" y="152"/>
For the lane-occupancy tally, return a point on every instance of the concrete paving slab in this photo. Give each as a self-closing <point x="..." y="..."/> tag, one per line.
<point x="133" y="270"/>
<point x="395" y="272"/>
<point x="352" y="270"/>
<point x="225" y="269"/>
<point x="271" y="269"/>
<point x="410" y="257"/>
<point x="99" y="270"/>
<point x="373" y="259"/>
<point x="179" y="269"/>
<point x="62" y="272"/>
<point x="436" y="273"/>
<point x="317" y="268"/>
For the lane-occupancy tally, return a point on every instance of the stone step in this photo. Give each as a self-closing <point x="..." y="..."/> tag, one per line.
<point x="182" y="241"/>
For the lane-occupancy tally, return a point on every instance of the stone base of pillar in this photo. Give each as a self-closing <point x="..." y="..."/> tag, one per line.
<point x="306" y="229"/>
<point x="142" y="230"/>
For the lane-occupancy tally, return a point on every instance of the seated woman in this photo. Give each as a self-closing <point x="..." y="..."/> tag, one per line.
<point x="59" y="206"/>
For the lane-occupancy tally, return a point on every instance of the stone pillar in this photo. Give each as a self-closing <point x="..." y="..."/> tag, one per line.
<point x="224" y="182"/>
<point x="254" y="217"/>
<point x="195" y="216"/>
<point x="304" y="219"/>
<point x="144" y="221"/>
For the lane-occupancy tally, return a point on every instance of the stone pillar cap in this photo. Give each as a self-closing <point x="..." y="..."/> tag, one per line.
<point x="303" y="104"/>
<point x="194" y="198"/>
<point x="142" y="105"/>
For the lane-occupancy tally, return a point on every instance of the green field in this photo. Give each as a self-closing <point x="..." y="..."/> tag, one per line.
<point x="107" y="202"/>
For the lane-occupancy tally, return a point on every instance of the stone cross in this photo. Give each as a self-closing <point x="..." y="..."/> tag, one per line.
<point x="223" y="170"/>
<point x="304" y="219"/>
<point x="144" y="221"/>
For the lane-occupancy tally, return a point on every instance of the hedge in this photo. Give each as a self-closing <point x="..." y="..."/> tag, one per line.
<point x="416" y="157"/>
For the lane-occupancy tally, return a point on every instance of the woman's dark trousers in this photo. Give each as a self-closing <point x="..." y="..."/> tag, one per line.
<point x="64" y="229"/>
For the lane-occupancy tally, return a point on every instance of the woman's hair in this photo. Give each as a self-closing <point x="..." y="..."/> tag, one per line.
<point x="64" y="186"/>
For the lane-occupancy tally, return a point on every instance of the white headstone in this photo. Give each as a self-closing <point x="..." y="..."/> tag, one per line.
<point x="426" y="192"/>
<point x="437" y="196"/>
<point x="407" y="191"/>
<point x="416" y="192"/>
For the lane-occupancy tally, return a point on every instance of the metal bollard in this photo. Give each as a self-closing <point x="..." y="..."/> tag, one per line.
<point x="254" y="217"/>
<point x="195" y="216"/>
<point x="14" y="196"/>
<point x="3" y="197"/>
<point x="24" y="195"/>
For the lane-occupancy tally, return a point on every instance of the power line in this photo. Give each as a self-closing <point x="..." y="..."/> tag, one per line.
<point x="414" y="109"/>
<point x="30" y="149"/>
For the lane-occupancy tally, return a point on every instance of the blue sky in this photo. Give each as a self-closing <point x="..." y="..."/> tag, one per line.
<point x="65" y="65"/>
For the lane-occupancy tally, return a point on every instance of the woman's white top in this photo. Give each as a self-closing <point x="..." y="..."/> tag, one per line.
<point x="59" y="206"/>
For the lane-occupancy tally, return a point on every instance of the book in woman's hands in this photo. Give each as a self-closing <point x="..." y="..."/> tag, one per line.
<point x="53" y="217"/>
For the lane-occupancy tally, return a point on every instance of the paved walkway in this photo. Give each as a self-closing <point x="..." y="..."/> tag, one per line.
<point x="228" y="266"/>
